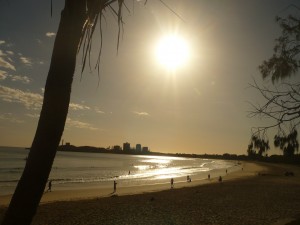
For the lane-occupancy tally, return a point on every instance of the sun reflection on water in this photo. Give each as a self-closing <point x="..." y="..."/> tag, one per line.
<point x="162" y="161"/>
<point x="164" y="168"/>
<point x="159" y="167"/>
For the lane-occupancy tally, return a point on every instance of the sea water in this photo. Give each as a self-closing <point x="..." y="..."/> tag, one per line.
<point x="76" y="170"/>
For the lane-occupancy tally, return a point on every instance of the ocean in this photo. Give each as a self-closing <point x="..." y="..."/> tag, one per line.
<point x="77" y="170"/>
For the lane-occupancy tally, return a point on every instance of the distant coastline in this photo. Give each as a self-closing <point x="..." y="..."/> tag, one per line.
<point x="226" y="156"/>
<point x="91" y="149"/>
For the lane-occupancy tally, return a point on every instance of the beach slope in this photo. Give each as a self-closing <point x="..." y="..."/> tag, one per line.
<point x="258" y="194"/>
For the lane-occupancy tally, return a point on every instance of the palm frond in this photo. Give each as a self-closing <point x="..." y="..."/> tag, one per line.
<point x="95" y="10"/>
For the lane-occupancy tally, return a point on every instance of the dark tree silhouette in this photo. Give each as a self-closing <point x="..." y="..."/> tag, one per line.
<point x="282" y="105"/>
<point x="257" y="147"/>
<point x="287" y="143"/>
<point x="285" y="60"/>
<point x="282" y="101"/>
<point x="77" y="24"/>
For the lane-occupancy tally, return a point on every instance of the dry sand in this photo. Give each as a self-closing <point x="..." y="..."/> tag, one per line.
<point x="244" y="197"/>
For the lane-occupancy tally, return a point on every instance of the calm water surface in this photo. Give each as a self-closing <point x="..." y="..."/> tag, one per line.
<point x="75" y="170"/>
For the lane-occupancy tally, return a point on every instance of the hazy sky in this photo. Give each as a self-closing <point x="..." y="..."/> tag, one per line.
<point x="200" y="107"/>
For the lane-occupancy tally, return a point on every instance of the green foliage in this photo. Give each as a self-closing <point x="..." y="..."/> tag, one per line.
<point x="288" y="144"/>
<point x="285" y="60"/>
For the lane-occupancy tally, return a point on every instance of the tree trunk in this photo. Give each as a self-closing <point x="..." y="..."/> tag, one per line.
<point x="53" y="116"/>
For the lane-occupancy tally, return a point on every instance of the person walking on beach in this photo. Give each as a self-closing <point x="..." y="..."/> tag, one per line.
<point x="49" y="186"/>
<point x="208" y="176"/>
<point x="220" y="179"/>
<point x="115" y="186"/>
<point x="188" y="179"/>
<point x="172" y="183"/>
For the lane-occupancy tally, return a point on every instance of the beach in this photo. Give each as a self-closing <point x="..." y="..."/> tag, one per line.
<point x="259" y="193"/>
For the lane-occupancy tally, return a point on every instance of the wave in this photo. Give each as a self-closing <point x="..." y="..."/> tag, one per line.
<point x="11" y="170"/>
<point x="70" y="169"/>
<point x="9" y="181"/>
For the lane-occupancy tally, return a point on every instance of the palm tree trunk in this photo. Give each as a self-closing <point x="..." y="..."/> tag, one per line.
<point x="53" y="116"/>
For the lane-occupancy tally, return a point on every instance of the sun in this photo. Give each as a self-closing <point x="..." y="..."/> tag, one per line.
<point x="172" y="52"/>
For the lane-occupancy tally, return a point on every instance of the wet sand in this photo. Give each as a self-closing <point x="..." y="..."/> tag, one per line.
<point x="243" y="197"/>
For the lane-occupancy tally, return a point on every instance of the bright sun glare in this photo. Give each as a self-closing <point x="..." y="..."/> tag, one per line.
<point x="172" y="52"/>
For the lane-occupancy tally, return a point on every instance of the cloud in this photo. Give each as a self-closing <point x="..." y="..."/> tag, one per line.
<point x="2" y="42"/>
<point x="33" y="115"/>
<point x="10" y="52"/>
<point x="142" y="113"/>
<point x="25" y="60"/>
<point x="5" y="62"/>
<point x="9" y="117"/>
<point x="97" y="110"/>
<point x="28" y="99"/>
<point x="3" y="75"/>
<point x="76" y="107"/>
<point x="50" y="34"/>
<point x="23" y="79"/>
<point x="78" y="124"/>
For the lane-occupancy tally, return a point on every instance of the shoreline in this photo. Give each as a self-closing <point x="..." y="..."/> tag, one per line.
<point x="259" y="194"/>
<point x="90" y="192"/>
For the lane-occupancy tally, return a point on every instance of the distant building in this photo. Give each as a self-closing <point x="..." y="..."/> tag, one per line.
<point x="145" y="149"/>
<point x="126" y="146"/>
<point x="138" y="147"/>
<point x="117" y="148"/>
<point x="68" y="143"/>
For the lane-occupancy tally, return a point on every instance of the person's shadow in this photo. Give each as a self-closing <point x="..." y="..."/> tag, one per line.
<point x="113" y="194"/>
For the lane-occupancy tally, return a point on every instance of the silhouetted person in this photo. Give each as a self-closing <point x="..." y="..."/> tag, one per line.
<point x="172" y="183"/>
<point x="220" y="179"/>
<point x="208" y="176"/>
<point x="129" y="172"/>
<point x="50" y="185"/>
<point x="226" y="171"/>
<point x="188" y="178"/>
<point x="115" y="186"/>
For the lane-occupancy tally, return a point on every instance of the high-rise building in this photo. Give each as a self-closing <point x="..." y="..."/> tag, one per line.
<point x="126" y="146"/>
<point x="138" y="147"/>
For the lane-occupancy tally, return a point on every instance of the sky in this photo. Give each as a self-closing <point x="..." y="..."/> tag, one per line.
<point x="200" y="107"/>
